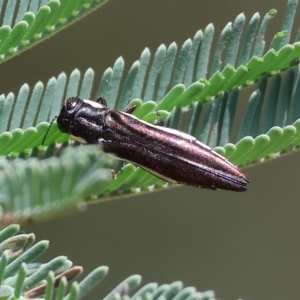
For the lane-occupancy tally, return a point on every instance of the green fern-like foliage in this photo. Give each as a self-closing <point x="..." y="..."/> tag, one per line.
<point x="22" y="278"/>
<point x="27" y="23"/>
<point x="175" y="83"/>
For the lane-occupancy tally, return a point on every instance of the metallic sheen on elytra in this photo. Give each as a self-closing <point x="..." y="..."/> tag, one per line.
<point x="167" y="153"/>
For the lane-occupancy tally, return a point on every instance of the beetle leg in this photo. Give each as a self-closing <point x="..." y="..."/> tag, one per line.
<point x="159" y="121"/>
<point x="102" y="101"/>
<point x="129" y="109"/>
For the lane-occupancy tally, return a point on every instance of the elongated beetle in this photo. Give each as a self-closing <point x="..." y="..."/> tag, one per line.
<point x="167" y="153"/>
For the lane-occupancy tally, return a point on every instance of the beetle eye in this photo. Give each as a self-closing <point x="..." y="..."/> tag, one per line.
<point x="71" y="103"/>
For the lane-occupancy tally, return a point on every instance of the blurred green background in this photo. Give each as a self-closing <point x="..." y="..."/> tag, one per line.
<point x="242" y="245"/>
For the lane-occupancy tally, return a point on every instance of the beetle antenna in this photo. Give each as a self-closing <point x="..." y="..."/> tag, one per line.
<point x="48" y="129"/>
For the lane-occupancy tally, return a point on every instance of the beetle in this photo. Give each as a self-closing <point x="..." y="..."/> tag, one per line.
<point x="167" y="153"/>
